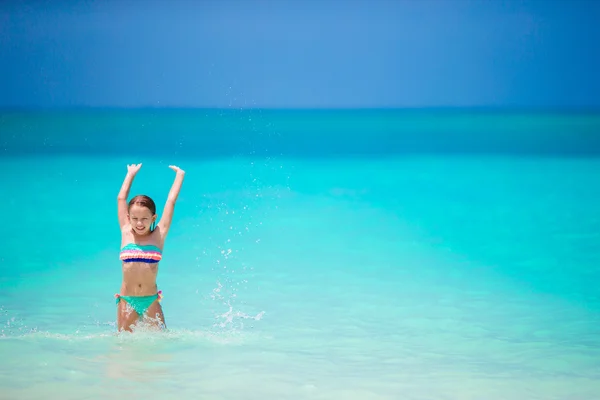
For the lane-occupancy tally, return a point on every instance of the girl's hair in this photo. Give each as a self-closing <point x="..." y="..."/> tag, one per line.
<point x="144" y="201"/>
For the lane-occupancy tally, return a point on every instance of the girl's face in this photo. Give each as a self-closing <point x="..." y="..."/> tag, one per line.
<point x="141" y="219"/>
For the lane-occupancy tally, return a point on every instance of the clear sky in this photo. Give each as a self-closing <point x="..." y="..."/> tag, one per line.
<point x="303" y="53"/>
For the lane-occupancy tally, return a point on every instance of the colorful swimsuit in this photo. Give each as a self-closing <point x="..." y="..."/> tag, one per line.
<point x="140" y="253"/>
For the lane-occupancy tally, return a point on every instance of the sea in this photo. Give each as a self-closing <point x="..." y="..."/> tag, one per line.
<point x="314" y="254"/>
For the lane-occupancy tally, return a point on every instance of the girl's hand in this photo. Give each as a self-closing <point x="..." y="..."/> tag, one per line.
<point x="133" y="169"/>
<point x="177" y="169"/>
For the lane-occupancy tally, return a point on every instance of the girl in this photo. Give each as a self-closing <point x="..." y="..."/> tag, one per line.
<point x="142" y="243"/>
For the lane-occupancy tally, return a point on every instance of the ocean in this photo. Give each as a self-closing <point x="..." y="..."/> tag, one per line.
<point x="314" y="254"/>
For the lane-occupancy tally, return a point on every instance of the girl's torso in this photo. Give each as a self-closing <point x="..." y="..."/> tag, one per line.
<point x="140" y="257"/>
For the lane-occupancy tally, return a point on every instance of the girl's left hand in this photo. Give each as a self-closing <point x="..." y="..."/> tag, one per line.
<point x="177" y="169"/>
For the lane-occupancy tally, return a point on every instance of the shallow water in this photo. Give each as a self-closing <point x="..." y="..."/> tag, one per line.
<point x="413" y="278"/>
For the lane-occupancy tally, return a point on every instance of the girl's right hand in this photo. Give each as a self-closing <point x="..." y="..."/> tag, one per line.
<point x="133" y="169"/>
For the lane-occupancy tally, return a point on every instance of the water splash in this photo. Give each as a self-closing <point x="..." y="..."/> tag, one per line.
<point x="140" y="334"/>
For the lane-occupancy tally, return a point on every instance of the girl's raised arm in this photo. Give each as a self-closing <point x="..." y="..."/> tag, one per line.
<point x="165" y="221"/>
<point x="124" y="193"/>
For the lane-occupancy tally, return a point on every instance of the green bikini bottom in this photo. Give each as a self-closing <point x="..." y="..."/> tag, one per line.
<point x="140" y="304"/>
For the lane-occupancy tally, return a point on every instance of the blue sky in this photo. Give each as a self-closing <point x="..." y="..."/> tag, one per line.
<point x="305" y="53"/>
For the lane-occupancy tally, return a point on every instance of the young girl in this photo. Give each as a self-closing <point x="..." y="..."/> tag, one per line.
<point x="141" y="249"/>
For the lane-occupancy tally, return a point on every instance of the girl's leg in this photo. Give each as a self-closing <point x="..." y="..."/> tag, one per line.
<point x="126" y="316"/>
<point x="154" y="316"/>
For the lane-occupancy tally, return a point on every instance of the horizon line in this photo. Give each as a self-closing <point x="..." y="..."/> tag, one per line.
<point x="585" y="109"/>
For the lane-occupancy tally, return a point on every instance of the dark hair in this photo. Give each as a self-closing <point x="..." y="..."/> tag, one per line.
<point x="144" y="201"/>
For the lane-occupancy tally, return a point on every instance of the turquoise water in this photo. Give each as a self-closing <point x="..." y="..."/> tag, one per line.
<point x="298" y="275"/>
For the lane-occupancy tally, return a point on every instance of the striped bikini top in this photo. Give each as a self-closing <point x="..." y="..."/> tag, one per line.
<point x="140" y="253"/>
